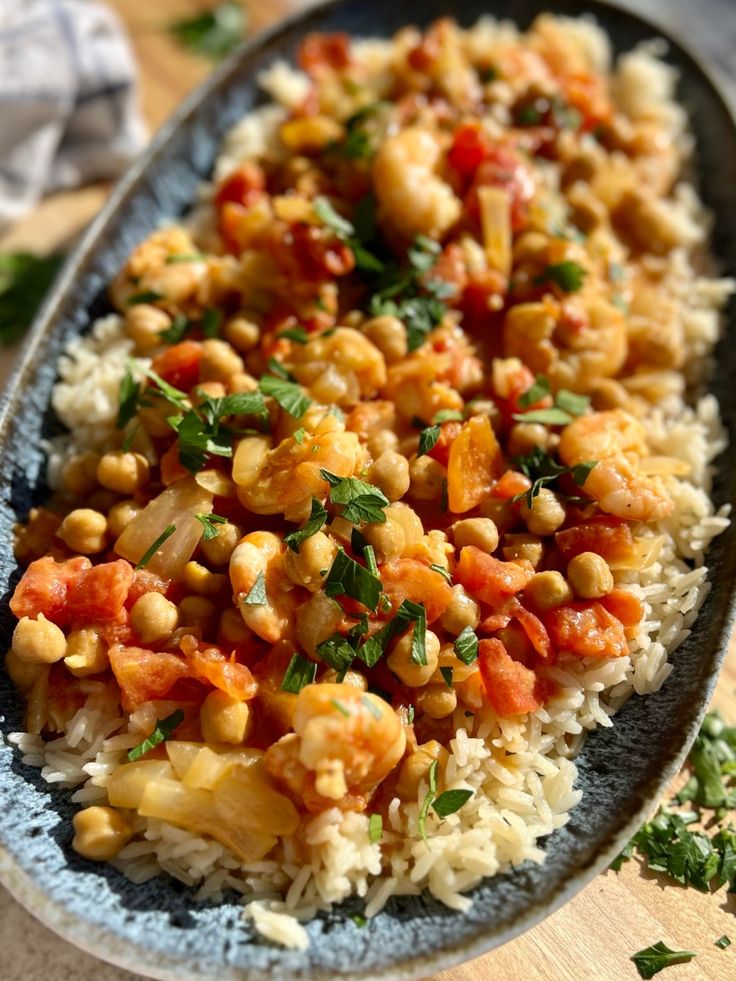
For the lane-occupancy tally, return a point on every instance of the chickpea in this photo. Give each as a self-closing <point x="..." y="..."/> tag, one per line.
<point x="153" y="617"/>
<point x="462" y="611"/>
<point x="124" y="473"/>
<point x="120" y="515"/>
<point x="84" y="530"/>
<point x="547" y="590"/>
<point x="609" y="394"/>
<point x="79" y="475"/>
<point x="517" y="548"/>
<point x="415" y="768"/>
<point x="389" y="335"/>
<point x="242" y="333"/>
<point x="380" y="442"/>
<point x="427" y="477"/>
<point x="437" y="701"/>
<point x="102" y="500"/>
<point x="100" y="833"/>
<point x="232" y="629"/>
<point x="500" y="512"/>
<point x="241" y="382"/>
<point x="22" y="673"/>
<point x="480" y="532"/>
<point x="195" y="611"/>
<point x="86" y="653"/>
<point x="546" y="514"/>
<point x="316" y="620"/>
<point x="144" y="324"/>
<point x="412" y="674"/>
<point x="208" y="390"/>
<point x="388" y="539"/>
<point x="410" y="522"/>
<point x="224" y="719"/>
<point x="589" y="575"/>
<point x="390" y="472"/>
<point x="309" y="566"/>
<point x="219" y="361"/>
<point x="354" y="678"/>
<point x="218" y="550"/>
<point x="526" y="436"/>
<point x="200" y="580"/>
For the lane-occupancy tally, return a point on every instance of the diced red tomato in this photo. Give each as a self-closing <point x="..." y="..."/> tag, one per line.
<point x="320" y="255"/>
<point x="490" y="580"/>
<point x="320" y="52"/>
<point x="145" y="581"/>
<point x="471" y="145"/>
<point x="509" y="484"/>
<point x="504" y="167"/>
<point x="510" y="687"/>
<point x="534" y="629"/>
<point x="144" y="675"/>
<point x="451" y="268"/>
<point x="100" y="593"/>
<point x="623" y="605"/>
<point x="412" y="580"/>
<point x="179" y="364"/>
<point x="478" y="312"/>
<point x="494" y="622"/>
<point x="45" y="588"/>
<point x="449" y="431"/>
<point x="210" y="666"/>
<point x="607" y="537"/>
<point x="244" y="186"/>
<point x="586" y="630"/>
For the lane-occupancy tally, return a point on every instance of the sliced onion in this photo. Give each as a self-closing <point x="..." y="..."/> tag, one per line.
<point x="128" y="782"/>
<point x="495" y="220"/>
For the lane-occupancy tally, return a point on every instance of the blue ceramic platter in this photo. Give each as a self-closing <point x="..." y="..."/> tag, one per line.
<point x="156" y="928"/>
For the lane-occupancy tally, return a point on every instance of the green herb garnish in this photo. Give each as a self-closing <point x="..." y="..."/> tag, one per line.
<point x="567" y="275"/>
<point x="145" y="296"/>
<point x="209" y="523"/>
<point x="466" y="645"/>
<point x="155" y="546"/>
<point x="163" y="731"/>
<point x="428" y="440"/>
<point x="427" y="802"/>
<point x="180" y="326"/>
<point x="300" y="672"/>
<point x="184" y="257"/>
<point x="362" y="502"/>
<point x="257" y="594"/>
<point x="654" y="959"/>
<point x="315" y="521"/>
<point x="450" y="801"/>
<point x="542" y="470"/>
<point x="288" y="395"/>
<point x="348" y="578"/>
<point x="24" y="281"/>
<point x="211" y="322"/>
<point x="337" y="652"/>
<point x="128" y="398"/>
<point x="213" y="33"/>
<point x="442" y="570"/>
<point x="447" y="673"/>
<point x="723" y="942"/>
<point x="297" y="334"/>
<point x="375" y="828"/>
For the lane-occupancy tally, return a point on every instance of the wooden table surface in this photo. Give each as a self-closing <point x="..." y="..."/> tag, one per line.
<point x="594" y="935"/>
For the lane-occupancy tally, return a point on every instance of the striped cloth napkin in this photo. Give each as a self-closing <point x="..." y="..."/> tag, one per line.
<point x="68" y="110"/>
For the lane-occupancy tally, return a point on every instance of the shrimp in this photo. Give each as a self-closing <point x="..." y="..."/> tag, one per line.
<point x="345" y="360"/>
<point x="345" y="741"/>
<point x="260" y="555"/>
<point x="418" y="385"/>
<point x="149" y="269"/>
<point x="575" y="344"/>
<point x="411" y="197"/>
<point x="617" y="442"/>
<point x="284" y="479"/>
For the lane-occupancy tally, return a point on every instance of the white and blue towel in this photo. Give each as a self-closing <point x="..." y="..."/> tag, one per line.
<point x="68" y="107"/>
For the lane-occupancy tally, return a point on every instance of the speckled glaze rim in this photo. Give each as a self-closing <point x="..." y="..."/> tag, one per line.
<point x="134" y="957"/>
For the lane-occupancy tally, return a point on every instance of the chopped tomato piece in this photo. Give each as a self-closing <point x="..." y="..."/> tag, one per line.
<point x="244" y="186"/>
<point x="320" y="255"/>
<point x="101" y="592"/>
<point x="470" y="147"/>
<point x="449" y="431"/>
<point x="586" y="630"/>
<point x="534" y="629"/>
<point x="412" y="580"/>
<point x="624" y="606"/>
<point x="319" y="52"/>
<point x="179" y="364"/>
<point x="474" y="462"/>
<point x="210" y="666"/>
<point x="494" y="622"/>
<point x="608" y="537"/>
<point x="490" y="580"/>
<point x="510" y="687"/>
<point x="504" y="167"/>
<point x="510" y="484"/>
<point x="144" y="675"/>
<point x="45" y="588"/>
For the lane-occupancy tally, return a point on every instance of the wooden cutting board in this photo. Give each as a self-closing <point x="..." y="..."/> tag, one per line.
<point x="594" y="935"/>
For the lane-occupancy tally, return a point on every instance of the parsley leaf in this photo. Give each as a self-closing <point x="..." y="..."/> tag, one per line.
<point x="180" y="326"/>
<point x="542" y="469"/>
<point x="428" y="440"/>
<point x="334" y="221"/>
<point x="447" y="674"/>
<point x="654" y="959"/>
<point x="538" y="390"/>
<point x="450" y="801"/>
<point x="375" y="828"/>
<point x="288" y="395"/>
<point x="297" y="334"/>
<point x="163" y="731"/>
<point x="214" y="33"/>
<point x="145" y="296"/>
<point x="723" y="942"/>
<point x="257" y="594"/>
<point x="348" y="578"/>
<point x="361" y="501"/>
<point x="337" y="652"/>
<point x="567" y="405"/>
<point x="567" y="275"/>
<point x="300" y="672"/>
<point x="209" y="523"/>
<point x="25" y="279"/>
<point x="466" y="645"/>
<point x="443" y="571"/>
<point x="155" y="546"/>
<point x="315" y="521"/>
<point x="211" y="322"/>
<point x="426" y="803"/>
<point x="128" y="398"/>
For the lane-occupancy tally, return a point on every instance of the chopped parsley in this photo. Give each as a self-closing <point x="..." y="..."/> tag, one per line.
<point x="288" y="395"/>
<point x="361" y="501"/>
<point x="447" y="673"/>
<point x="442" y="570"/>
<point x="450" y="801"/>
<point x="348" y="578"/>
<point x="568" y="276"/>
<point x="723" y="942"/>
<point x="334" y="221"/>
<point x="340" y="707"/>
<point x="654" y="959"/>
<point x="214" y="33"/>
<point x="184" y="257"/>
<point x="163" y="731"/>
<point x="427" y="802"/>
<point x="567" y="405"/>
<point x="155" y="546"/>
<point x="542" y="470"/>
<point x="315" y="521"/>
<point x="338" y="653"/>
<point x="180" y="326"/>
<point x="257" y="594"/>
<point x="209" y="523"/>
<point x="145" y="296"/>
<point x="428" y="440"/>
<point x="297" y="334"/>
<point x="24" y="281"/>
<point x="466" y="645"/>
<point x="128" y="398"/>
<point x="211" y="322"/>
<point x="375" y="828"/>
<point x="276" y="368"/>
<point x="300" y="672"/>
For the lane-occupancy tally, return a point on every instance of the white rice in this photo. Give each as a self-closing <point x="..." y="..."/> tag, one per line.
<point x="520" y="769"/>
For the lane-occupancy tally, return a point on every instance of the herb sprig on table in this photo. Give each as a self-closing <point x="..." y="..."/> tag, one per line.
<point x="24" y="281"/>
<point x="213" y="33"/>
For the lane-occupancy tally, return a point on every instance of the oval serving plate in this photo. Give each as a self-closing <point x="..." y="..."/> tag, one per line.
<point x="156" y="928"/>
